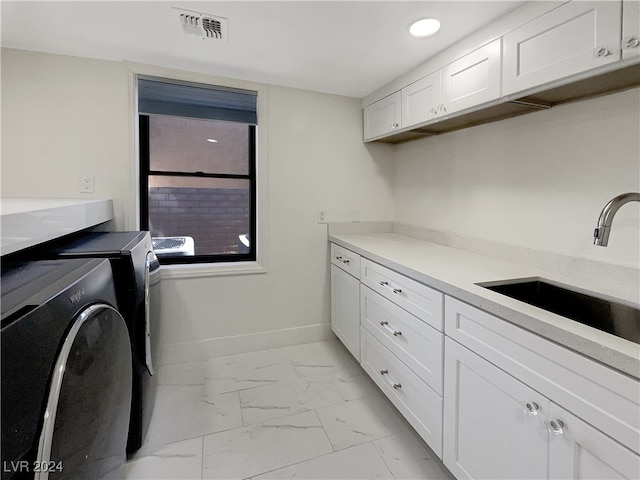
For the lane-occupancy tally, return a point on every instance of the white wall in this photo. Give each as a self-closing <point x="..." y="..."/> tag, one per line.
<point x="65" y="116"/>
<point x="538" y="180"/>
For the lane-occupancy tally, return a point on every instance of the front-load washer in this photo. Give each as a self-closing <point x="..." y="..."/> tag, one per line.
<point x="136" y="278"/>
<point x="66" y="371"/>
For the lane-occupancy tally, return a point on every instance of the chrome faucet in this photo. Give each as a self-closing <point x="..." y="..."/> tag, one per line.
<point x="601" y="233"/>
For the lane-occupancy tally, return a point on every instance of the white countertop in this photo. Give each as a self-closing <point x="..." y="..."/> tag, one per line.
<point x="456" y="273"/>
<point x="30" y="221"/>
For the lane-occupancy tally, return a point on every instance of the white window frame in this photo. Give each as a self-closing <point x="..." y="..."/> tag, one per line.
<point x="132" y="210"/>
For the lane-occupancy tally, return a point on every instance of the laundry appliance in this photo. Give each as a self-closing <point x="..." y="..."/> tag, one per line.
<point x="66" y="371"/>
<point x="136" y="274"/>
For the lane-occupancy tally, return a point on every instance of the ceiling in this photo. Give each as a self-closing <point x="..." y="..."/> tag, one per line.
<point x="343" y="47"/>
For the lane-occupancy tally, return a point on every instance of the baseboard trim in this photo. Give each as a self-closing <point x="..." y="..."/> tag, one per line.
<point x="253" y="342"/>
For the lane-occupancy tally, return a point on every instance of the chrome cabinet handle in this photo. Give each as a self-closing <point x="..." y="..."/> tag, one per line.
<point x="632" y="42"/>
<point x="602" y="52"/>
<point x="555" y="427"/>
<point x="531" y="408"/>
<point x="386" y="284"/>
<point x="343" y="260"/>
<point x="441" y="108"/>
<point x="395" y="385"/>
<point x="433" y="111"/>
<point x="385" y="324"/>
<point x="395" y="125"/>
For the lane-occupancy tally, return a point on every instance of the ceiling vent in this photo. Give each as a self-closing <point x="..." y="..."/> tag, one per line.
<point x="204" y="25"/>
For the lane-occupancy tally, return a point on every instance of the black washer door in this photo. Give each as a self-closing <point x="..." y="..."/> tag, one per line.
<point x="86" y="422"/>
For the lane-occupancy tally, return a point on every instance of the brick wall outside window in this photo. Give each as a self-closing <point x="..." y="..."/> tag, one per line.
<point x="214" y="217"/>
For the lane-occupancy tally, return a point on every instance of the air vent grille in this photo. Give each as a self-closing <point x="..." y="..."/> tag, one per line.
<point x="204" y="25"/>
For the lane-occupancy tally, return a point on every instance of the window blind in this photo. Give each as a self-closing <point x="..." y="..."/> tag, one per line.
<point x="163" y="97"/>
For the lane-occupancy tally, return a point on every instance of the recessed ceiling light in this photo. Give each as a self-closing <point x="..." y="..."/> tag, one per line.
<point x="424" y="27"/>
<point x="212" y="140"/>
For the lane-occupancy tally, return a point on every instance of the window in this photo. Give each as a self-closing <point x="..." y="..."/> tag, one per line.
<point x="198" y="171"/>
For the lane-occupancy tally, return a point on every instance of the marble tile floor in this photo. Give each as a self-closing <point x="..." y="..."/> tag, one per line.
<point x="305" y="412"/>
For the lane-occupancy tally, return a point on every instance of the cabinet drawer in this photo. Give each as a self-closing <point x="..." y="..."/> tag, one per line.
<point x="419" y="404"/>
<point x="424" y="302"/>
<point x="603" y="397"/>
<point x="414" y="342"/>
<point x="345" y="259"/>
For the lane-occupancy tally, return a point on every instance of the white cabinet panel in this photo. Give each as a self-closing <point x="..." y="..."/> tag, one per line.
<point x="345" y="259"/>
<point x="418" y="403"/>
<point x="345" y="309"/>
<point x="563" y="42"/>
<point x="605" y="398"/>
<point x="630" y="29"/>
<point x="382" y="116"/>
<point x="420" y="100"/>
<point x="473" y="79"/>
<point x="414" y="342"/>
<point x="583" y="452"/>
<point x="489" y="432"/>
<point x="424" y="302"/>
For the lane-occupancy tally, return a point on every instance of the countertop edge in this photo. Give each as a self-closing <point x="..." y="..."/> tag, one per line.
<point x="609" y="350"/>
<point x="28" y="221"/>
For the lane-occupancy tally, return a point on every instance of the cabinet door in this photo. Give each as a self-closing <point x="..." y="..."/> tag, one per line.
<point x="472" y="80"/>
<point x="579" y="451"/>
<point x="345" y="309"/>
<point x="493" y="423"/>
<point x="630" y="29"/>
<point x="382" y="117"/>
<point x="571" y="39"/>
<point x="420" y="100"/>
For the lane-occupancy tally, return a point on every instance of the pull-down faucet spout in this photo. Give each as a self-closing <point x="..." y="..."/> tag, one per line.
<point x="601" y="233"/>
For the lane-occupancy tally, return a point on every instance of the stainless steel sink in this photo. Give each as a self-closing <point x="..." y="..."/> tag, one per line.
<point x="606" y="315"/>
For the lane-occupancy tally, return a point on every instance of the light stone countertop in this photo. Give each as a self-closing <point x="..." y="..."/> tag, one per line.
<point x="27" y="222"/>
<point x="456" y="272"/>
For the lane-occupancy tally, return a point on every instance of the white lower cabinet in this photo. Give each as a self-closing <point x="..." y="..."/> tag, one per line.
<point x="579" y="451"/>
<point x="519" y="406"/>
<point x="418" y="403"/>
<point x="489" y="432"/>
<point x="345" y="309"/>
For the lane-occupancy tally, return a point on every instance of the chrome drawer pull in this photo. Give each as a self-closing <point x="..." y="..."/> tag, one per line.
<point x="343" y="260"/>
<point x="396" y="386"/>
<point x="386" y="284"/>
<point x="385" y="324"/>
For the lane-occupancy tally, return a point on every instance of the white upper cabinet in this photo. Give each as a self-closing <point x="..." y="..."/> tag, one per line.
<point x="420" y="100"/>
<point x="382" y="117"/>
<point x="472" y="80"/>
<point x="573" y="38"/>
<point x="630" y="29"/>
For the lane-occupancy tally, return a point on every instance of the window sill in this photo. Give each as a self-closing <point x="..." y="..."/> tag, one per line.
<point x="211" y="269"/>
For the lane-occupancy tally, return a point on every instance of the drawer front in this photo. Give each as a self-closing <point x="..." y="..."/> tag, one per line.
<point x="419" y="404"/>
<point x="424" y="302"/>
<point x="345" y="259"/>
<point x="603" y="397"/>
<point x="414" y="342"/>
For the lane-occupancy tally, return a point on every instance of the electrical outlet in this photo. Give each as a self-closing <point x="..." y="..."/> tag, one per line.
<point x="323" y="216"/>
<point x="87" y="184"/>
